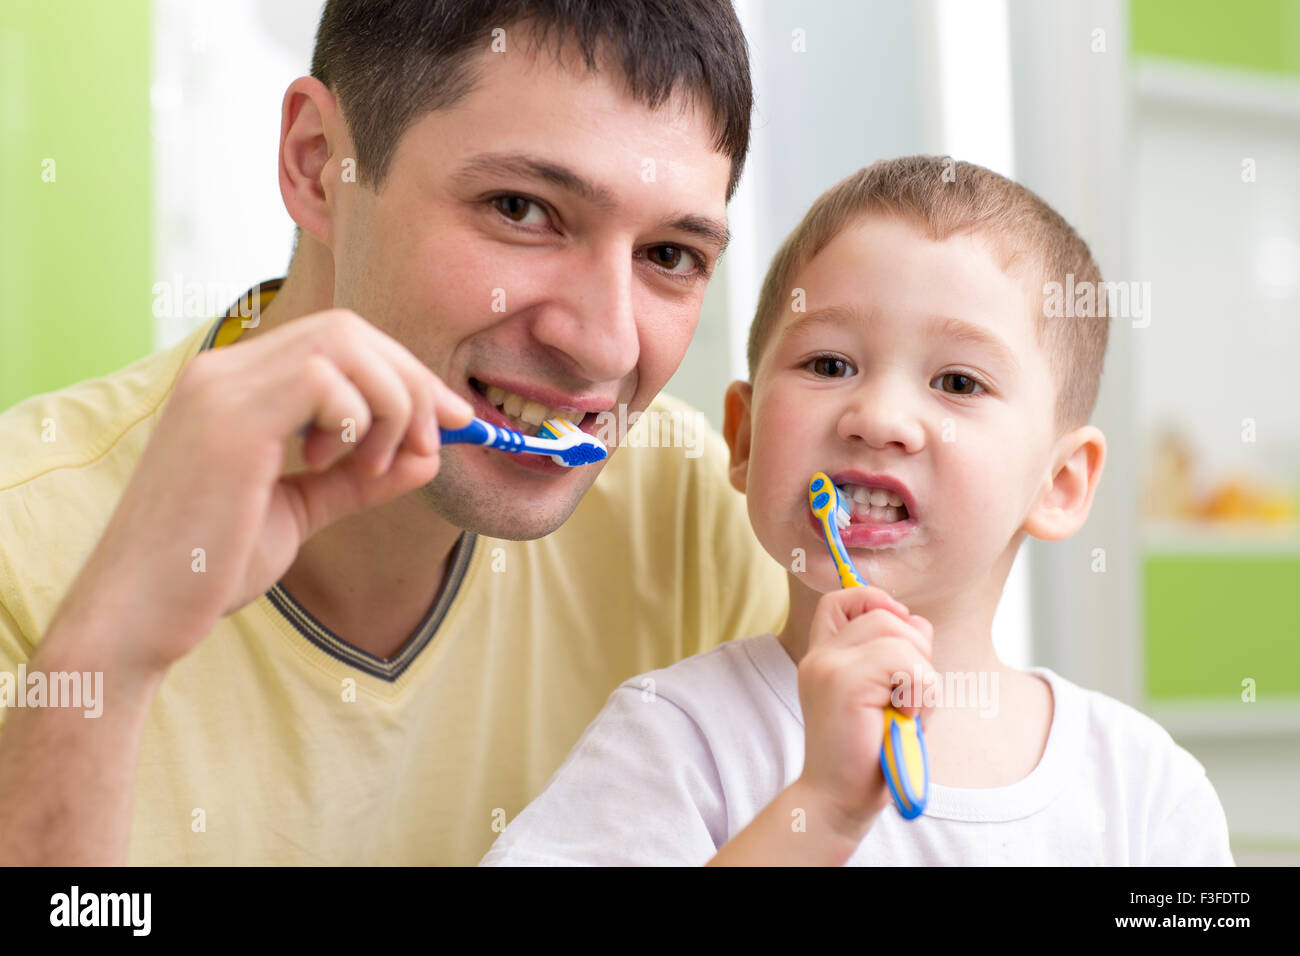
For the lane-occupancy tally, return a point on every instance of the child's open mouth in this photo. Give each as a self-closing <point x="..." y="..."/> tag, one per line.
<point x="878" y="515"/>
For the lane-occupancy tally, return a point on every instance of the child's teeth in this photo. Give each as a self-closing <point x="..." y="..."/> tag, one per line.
<point x="877" y="505"/>
<point x="513" y="405"/>
<point x="496" y="395"/>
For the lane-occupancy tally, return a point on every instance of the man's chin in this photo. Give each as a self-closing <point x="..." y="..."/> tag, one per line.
<point x="487" y="509"/>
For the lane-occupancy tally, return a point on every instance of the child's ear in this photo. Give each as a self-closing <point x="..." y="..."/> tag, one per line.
<point x="735" y="429"/>
<point x="1066" y="498"/>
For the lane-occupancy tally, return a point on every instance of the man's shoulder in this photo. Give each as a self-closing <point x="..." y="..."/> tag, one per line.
<point x="77" y="425"/>
<point x="668" y="441"/>
<point x="68" y="455"/>
<point x="737" y="675"/>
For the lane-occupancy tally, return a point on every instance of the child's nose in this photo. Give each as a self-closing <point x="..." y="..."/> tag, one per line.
<point x="881" y="414"/>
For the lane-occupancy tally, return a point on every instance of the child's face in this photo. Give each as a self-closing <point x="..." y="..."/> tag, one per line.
<point x="867" y="385"/>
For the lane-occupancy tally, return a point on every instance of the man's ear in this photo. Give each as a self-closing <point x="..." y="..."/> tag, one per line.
<point x="736" y="430"/>
<point x="312" y="148"/>
<point x="1066" y="497"/>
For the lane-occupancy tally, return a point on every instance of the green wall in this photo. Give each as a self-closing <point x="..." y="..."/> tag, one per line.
<point x="1213" y="621"/>
<point x="1261" y="35"/>
<point x="75" y="253"/>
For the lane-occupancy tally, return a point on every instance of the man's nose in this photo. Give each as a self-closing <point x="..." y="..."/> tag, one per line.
<point x="591" y="324"/>
<point x="882" y="411"/>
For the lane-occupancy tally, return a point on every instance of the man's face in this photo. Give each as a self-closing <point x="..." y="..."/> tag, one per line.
<point x="547" y="239"/>
<point x="914" y="370"/>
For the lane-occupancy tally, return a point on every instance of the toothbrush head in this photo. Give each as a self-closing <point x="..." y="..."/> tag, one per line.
<point x="575" y="447"/>
<point x="826" y="499"/>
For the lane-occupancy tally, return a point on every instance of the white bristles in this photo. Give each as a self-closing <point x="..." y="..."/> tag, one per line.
<point x="841" y="512"/>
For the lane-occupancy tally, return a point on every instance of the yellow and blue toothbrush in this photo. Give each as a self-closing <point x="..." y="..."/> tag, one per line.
<point x="902" y="757"/>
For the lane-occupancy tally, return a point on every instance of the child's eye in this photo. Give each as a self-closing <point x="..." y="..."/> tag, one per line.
<point x="962" y="383"/>
<point x="830" y="366"/>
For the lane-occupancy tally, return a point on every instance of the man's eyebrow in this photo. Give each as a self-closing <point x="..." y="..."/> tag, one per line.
<point x="534" y="167"/>
<point x="557" y="174"/>
<point x="946" y="326"/>
<point x="711" y="230"/>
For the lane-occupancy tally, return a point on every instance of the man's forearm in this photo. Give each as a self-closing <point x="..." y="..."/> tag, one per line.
<point x="67" y="780"/>
<point x="796" y="829"/>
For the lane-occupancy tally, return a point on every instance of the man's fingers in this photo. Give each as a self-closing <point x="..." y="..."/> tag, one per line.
<point x="347" y="487"/>
<point x="406" y="399"/>
<point x="341" y="412"/>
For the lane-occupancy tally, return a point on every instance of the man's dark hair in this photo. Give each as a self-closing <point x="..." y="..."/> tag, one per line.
<point x="390" y="61"/>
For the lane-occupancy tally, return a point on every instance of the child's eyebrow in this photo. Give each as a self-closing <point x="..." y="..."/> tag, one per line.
<point x="938" y="326"/>
<point x="946" y="326"/>
<point x="831" y="315"/>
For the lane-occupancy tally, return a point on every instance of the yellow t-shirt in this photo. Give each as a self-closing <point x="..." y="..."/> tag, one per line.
<point x="254" y="753"/>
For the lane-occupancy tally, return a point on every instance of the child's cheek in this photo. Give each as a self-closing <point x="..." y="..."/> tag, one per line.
<point x="979" y="482"/>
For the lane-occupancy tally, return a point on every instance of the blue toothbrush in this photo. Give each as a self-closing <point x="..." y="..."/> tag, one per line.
<point x="903" y="759"/>
<point x="562" y="440"/>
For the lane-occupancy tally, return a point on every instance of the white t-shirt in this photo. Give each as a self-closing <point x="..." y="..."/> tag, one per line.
<point x="669" y="771"/>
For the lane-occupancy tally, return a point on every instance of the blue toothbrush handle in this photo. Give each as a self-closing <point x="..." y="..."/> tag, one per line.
<point x="475" y="433"/>
<point x="479" y="432"/>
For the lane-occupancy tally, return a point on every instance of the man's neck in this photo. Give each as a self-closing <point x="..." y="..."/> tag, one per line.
<point x="370" y="577"/>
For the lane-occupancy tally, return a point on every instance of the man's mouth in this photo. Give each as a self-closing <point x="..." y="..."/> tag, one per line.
<point x="525" y="414"/>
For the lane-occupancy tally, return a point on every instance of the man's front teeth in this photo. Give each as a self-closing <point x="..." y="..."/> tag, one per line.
<point x="534" y="413"/>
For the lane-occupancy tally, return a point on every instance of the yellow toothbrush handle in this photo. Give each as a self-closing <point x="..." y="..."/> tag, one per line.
<point x="904" y="764"/>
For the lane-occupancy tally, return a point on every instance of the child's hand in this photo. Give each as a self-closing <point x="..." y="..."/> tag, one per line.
<point x="859" y="639"/>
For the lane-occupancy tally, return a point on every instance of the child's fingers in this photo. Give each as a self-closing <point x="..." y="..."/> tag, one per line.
<point x="879" y="623"/>
<point x="899" y="672"/>
<point x="837" y="608"/>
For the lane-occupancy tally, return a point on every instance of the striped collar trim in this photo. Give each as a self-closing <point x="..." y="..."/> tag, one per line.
<point x="392" y="668"/>
<point x="227" y="328"/>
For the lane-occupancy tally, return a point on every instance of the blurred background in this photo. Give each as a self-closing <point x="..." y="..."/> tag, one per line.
<point x="138" y="198"/>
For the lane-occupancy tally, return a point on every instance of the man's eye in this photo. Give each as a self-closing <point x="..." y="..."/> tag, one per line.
<point x="961" y="384"/>
<point x="829" y="366"/>
<point x="671" y="258"/>
<point x="515" y="208"/>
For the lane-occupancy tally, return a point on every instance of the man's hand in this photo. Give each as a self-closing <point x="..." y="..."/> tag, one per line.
<point x="212" y="475"/>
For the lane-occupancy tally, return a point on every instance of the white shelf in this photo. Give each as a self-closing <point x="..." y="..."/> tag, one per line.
<point x="1176" y="82"/>
<point x="1173" y="537"/>
<point x="1192" y="720"/>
